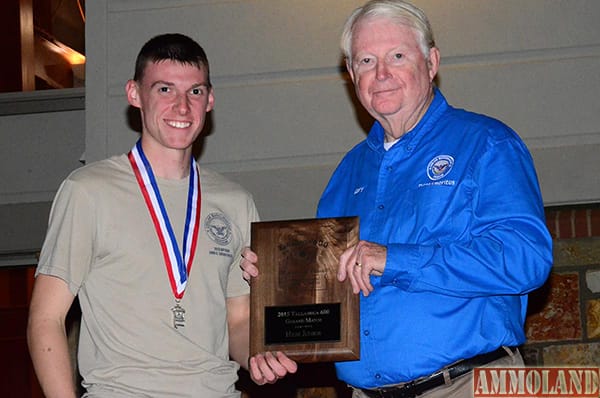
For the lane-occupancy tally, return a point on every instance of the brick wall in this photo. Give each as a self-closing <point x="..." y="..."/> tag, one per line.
<point x="563" y="323"/>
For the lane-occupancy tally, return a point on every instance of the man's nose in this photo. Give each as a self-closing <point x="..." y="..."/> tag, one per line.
<point x="382" y="71"/>
<point x="182" y="104"/>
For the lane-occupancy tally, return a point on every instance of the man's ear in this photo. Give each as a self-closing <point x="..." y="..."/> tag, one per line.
<point x="211" y="100"/>
<point x="131" y="89"/>
<point x="434" y="62"/>
<point x="349" y="69"/>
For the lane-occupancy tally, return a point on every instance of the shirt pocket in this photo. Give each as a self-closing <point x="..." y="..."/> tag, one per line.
<point x="437" y="213"/>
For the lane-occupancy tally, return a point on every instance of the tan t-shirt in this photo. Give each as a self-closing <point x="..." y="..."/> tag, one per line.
<point x="102" y="242"/>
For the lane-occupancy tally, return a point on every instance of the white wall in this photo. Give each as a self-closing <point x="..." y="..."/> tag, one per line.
<point x="285" y="114"/>
<point x="42" y="138"/>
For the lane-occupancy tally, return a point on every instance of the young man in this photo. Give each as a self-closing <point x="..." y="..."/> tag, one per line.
<point x="150" y="243"/>
<point x="452" y="224"/>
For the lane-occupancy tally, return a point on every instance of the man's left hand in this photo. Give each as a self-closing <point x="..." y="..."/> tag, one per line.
<point x="359" y="262"/>
<point x="268" y="368"/>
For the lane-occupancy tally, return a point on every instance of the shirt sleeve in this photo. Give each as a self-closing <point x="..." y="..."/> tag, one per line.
<point x="67" y="251"/>
<point x="509" y="250"/>
<point x="236" y="285"/>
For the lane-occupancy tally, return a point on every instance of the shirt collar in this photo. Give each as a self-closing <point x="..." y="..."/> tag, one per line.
<point x="376" y="137"/>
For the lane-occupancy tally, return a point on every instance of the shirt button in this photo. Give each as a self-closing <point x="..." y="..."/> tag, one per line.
<point x="381" y="207"/>
<point x="366" y="333"/>
<point x="378" y="376"/>
<point x="389" y="168"/>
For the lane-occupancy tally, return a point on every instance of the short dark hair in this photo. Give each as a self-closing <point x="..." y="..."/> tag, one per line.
<point x="174" y="47"/>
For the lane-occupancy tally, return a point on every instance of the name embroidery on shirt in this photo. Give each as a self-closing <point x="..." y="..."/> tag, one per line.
<point x="218" y="229"/>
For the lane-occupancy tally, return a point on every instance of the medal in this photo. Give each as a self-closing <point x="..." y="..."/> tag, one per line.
<point x="178" y="315"/>
<point x="178" y="263"/>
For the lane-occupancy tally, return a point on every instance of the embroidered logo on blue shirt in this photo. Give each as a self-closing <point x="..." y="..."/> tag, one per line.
<point x="439" y="167"/>
<point x="358" y="190"/>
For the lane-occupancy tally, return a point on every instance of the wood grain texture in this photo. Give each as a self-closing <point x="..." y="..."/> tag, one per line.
<point x="296" y="296"/>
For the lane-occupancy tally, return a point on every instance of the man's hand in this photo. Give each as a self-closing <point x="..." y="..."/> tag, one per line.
<point x="248" y="264"/>
<point x="268" y="368"/>
<point x="359" y="262"/>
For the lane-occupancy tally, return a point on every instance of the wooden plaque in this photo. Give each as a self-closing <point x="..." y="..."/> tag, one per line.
<point x="297" y="305"/>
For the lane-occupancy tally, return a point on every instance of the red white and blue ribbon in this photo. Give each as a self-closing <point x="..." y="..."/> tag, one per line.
<point x="177" y="262"/>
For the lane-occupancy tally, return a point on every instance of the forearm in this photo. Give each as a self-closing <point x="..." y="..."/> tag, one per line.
<point x="238" y="320"/>
<point x="503" y="261"/>
<point x="238" y="346"/>
<point x="47" y="338"/>
<point x="50" y="355"/>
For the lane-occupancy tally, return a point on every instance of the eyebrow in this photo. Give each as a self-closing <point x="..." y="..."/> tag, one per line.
<point x="170" y="84"/>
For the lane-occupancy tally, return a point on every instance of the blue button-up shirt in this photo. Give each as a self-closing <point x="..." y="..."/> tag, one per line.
<point x="457" y="203"/>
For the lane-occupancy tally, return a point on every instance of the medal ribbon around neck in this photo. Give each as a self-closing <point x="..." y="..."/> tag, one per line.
<point x="178" y="265"/>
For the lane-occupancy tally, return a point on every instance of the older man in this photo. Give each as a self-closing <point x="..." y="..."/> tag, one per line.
<point x="451" y="220"/>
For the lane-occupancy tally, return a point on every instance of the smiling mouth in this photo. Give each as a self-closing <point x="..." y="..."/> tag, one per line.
<point x="384" y="91"/>
<point x="178" y="125"/>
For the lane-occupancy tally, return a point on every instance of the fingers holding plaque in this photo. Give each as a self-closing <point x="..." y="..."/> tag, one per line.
<point x="297" y="304"/>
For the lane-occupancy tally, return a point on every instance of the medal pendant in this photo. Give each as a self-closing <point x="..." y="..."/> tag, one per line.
<point x="178" y="315"/>
<point x="178" y="263"/>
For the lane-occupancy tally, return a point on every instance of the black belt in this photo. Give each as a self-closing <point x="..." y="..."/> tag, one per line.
<point x="419" y="386"/>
